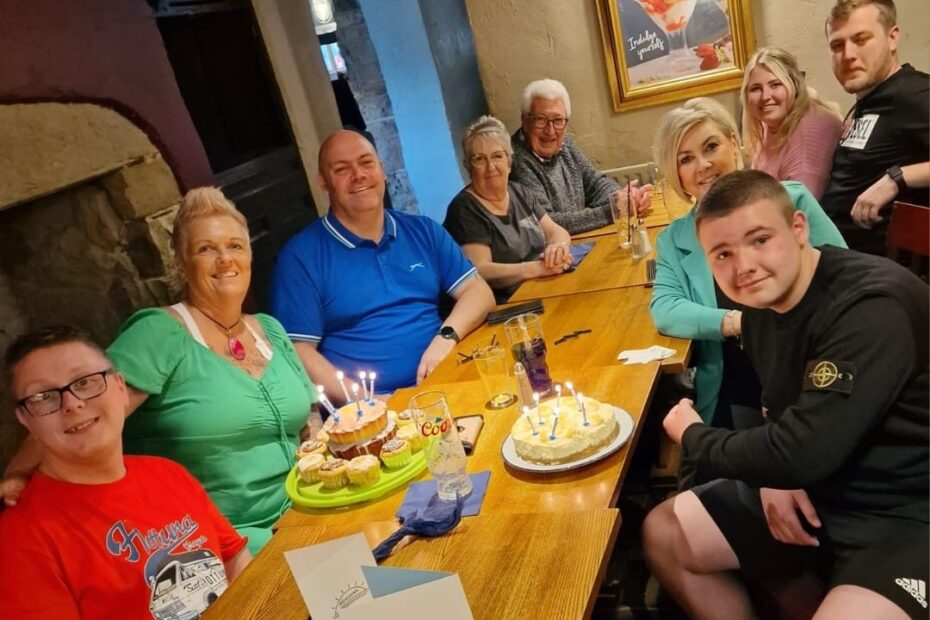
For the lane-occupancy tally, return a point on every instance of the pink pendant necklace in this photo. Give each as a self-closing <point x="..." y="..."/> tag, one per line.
<point x="235" y="346"/>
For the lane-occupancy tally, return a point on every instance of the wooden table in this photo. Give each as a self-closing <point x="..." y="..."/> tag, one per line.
<point x="607" y="266"/>
<point x="511" y="565"/>
<point x="511" y="491"/>
<point x="619" y="319"/>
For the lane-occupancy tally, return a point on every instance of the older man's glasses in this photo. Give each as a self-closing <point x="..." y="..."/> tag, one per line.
<point x="49" y="401"/>
<point x="482" y="161"/>
<point x="540" y="122"/>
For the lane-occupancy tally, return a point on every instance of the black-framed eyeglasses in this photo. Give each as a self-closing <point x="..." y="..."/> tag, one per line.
<point x="84" y="388"/>
<point x="540" y="122"/>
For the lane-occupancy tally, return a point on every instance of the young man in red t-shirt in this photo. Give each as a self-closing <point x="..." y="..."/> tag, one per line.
<point x="97" y="534"/>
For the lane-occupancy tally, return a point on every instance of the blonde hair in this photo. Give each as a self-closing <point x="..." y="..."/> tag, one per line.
<point x="784" y="66"/>
<point x="485" y="127"/>
<point x="197" y="203"/>
<point x="678" y="122"/>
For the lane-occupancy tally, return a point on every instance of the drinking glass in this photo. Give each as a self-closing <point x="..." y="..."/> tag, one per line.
<point x="445" y="456"/>
<point x="620" y="212"/>
<point x="492" y="368"/>
<point x="525" y="338"/>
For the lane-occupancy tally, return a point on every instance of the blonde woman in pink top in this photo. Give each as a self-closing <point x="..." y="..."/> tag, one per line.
<point x="789" y="132"/>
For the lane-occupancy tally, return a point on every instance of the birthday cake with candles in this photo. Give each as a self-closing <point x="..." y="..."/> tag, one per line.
<point x="350" y="434"/>
<point x="362" y="425"/>
<point x="560" y="430"/>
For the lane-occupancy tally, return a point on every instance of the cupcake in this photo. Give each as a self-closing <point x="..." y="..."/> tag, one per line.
<point x="334" y="474"/>
<point x="364" y="470"/>
<point x="311" y="446"/>
<point x="396" y="453"/>
<point x="410" y="434"/>
<point x="309" y="467"/>
<point x="405" y="418"/>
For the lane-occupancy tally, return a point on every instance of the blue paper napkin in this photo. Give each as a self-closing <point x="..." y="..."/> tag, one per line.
<point x="419" y="494"/>
<point x="579" y="251"/>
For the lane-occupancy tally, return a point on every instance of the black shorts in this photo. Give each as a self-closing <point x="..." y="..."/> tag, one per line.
<point x="882" y="554"/>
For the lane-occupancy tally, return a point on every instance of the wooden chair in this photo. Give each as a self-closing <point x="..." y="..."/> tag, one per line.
<point x="909" y="232"/>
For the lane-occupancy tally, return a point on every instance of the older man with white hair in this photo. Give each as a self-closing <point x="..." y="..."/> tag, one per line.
<point x="546" y="161"/>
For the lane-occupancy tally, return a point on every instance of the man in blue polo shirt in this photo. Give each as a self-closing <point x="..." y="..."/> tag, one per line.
<point x="358" y="290"/>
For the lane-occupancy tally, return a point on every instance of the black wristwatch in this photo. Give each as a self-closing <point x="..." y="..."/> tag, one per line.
<point x="448" y="333"/>
<point x="898" y="177"/>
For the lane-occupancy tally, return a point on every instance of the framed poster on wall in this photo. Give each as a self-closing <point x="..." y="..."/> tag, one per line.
<point x="659" y="51"/>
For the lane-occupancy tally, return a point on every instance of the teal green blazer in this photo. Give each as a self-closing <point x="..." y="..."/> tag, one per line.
<point x="684" y="303"/>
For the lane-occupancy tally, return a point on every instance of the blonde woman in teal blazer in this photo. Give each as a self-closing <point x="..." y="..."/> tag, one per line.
<point x="696" y="144"/>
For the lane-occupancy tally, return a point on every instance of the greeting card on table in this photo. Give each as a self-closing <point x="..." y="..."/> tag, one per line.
<point x="338" y="579"/>
<point x="406" y="594"/>
<point x="329" y="575"/>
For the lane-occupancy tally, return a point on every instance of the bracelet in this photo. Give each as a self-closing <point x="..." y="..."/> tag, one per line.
<point x="728" y="321"/>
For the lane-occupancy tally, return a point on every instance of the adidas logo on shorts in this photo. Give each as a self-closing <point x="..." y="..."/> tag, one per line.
<point x="916" y="588"/>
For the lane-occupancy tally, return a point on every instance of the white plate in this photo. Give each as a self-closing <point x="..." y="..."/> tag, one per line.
<point x="509" y="450"/>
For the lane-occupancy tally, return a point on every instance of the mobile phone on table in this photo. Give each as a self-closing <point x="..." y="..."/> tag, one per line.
<point x="469" y="427"/>
<point x="499" y="316"/>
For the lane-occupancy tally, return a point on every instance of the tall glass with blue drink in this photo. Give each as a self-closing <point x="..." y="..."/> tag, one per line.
<point x="528" y="345"/>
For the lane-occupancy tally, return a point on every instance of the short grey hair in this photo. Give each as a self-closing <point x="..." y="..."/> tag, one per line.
<point x="676" y="123"/>
<point x="545" y="89"/>
<point x="485" y="127"/>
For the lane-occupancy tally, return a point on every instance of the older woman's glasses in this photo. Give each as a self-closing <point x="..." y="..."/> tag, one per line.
<point x="540" y="122"/>
<point x="49" y="401"/>
<point x="481" y="161"/>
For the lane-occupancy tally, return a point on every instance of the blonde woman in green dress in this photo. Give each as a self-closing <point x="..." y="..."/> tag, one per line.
<point x="220" y="392"/>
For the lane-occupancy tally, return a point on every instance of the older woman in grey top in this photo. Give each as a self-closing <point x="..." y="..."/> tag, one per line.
<point x="504" y="230"/>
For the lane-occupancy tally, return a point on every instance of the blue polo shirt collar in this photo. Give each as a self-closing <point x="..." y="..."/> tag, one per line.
<point x="349" y="239"/>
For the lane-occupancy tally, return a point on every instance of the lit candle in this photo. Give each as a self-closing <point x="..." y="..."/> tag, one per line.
<point x="371" y="390"/>
<point x="584" y="411"/>
<point x="325" y="401"/>
<point x="538" y="410"/>
<point x="529" y="421"/>
<point x="358" y="405"/>
<point x="329" y="407"/>
<point x="339" y="377"/>
<point x="362" y="377"/>
<point x="555" y="422"/>
<point x="558" y="399"/>
<point x="571" y="388"/>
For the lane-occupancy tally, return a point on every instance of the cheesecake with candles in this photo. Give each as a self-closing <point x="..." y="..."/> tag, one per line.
<point x="360" y="427"/>
<point x="541" y="438"/>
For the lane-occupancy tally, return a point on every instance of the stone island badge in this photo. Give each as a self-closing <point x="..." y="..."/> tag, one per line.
<point x="829" y="376"/>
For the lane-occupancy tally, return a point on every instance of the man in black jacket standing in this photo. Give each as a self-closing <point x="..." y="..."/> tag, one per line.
<point x="838" y="475"/>
<point x="882" y="153"/>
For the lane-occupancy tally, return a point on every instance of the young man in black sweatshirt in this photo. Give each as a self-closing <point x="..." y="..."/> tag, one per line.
<point x="838" y="475"/>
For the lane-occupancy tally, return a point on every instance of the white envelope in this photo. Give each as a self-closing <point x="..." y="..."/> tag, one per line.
<point x="340" y="580"/>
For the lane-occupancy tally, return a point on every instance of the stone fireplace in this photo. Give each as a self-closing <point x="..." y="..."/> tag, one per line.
<point x="86" y="207"/>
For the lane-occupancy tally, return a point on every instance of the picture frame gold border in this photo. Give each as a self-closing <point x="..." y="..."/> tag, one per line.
<point x="626" y="97"/>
